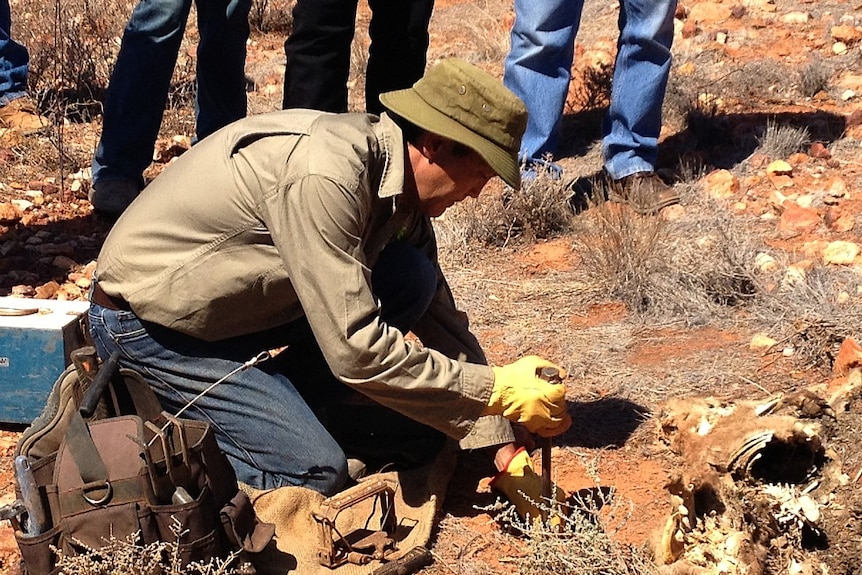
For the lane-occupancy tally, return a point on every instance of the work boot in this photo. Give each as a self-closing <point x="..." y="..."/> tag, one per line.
<point x="644" y="192"/>
<point x="111" y="197"/>
<point x="22" y="115"/>
<point x="44" y="435"/>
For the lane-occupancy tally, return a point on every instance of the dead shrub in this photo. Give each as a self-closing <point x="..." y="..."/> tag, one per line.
<point x="129" y="556"/>
<point x="271" y="16"/>
<point x="583" y="542"/>
<point x="73" y="46"/>
<point x="592" y="89"/>
<point x="539" y="210"/>
<point x="781" y="140"/>
<point x="688" y="269"/>
<point x="811" y="314"/>
<point x="814" y="77"/>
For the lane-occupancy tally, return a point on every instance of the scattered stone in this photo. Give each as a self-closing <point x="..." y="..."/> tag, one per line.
<point x="10" y="213"/>
<point x="64" y="263"/>
<point x="795" y="219"/>
<point x="849" y="356"/>
<point x="709" y="12"/>
<point x="738" y="11"/>
<point x="23" y="205"/>
<point x="847" y="95"/>
<point x="818" y="150"/>
<point x="47" y="290"/>
<point x="838" y="220"/>
<point x="795" y="17"/>
<point x="840" y="253"/>
<point x="780" y="168"/>
<point x="765" y="262"/>
<point x="846" y="34"/>
<point x="721" y="184"/>
<point x="839" y="48"/>
<point x="761" y="342"/>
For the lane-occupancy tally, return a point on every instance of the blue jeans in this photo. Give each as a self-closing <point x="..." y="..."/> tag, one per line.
<point x="262" y="417"/>
<point x="138" y="90"/>
<point x="14" y="60"/>
<point x="538" y="70"/>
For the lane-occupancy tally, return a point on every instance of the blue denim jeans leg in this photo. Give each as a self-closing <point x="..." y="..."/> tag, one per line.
<point x="261" y="420"/>
<point x="138" y="90"/>
<point x="14" y="60"/>
<point x="633" y="122"/>
<point x="538" y="70"/>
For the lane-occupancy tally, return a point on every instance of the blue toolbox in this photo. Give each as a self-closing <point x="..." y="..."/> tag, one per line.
<point x="36" y="338"/>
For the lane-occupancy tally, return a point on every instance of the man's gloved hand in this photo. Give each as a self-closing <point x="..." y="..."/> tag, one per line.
<point x="520" y="484"/>
<point x="521" y="396"/>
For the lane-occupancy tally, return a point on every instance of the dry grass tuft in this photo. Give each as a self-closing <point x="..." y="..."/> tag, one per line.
<point x="780" y="140"/>
<point x="810" y="316"/>
<point x="539" y="210"/>
<point x="686" y="269"/>
<point x="584" y="540"/>
<point x="814" y="77"/>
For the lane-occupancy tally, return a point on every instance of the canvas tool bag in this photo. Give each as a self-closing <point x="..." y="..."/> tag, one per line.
<point x="134" y="472"/>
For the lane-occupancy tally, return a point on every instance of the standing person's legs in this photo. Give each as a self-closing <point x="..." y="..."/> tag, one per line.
<point x="318" y="55"/>
<point x="538" y="68"/>
<point x="399" y="44"/>
<point x="221" y="95"/>
<point x="135" y="101"/>
<point x="643" y="61"/>
<point x="14" y="60"/>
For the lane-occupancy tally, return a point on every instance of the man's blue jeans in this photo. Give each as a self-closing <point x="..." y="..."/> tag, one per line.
<point x="538" y="70"/>
<point x="138" y="90"/>
<point x="261" y="417"/>
<point x="14" y="60"/>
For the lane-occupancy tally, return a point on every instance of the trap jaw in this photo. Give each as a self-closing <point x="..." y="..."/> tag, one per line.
<point x="361" y="545"/>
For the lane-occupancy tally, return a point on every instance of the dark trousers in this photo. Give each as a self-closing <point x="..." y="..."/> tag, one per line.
<point x="318" y="51"/>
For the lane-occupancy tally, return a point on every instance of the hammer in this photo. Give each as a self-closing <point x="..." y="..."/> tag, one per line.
<point x="552" y="375"/>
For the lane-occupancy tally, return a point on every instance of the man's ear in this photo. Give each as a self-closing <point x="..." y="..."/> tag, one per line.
<point x="430" y="145"/>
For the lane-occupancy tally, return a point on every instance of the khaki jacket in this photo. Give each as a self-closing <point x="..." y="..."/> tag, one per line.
<point x="283" y="215"/>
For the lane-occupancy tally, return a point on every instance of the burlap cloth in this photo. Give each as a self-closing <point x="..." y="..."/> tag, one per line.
<point x="418" y="495"/>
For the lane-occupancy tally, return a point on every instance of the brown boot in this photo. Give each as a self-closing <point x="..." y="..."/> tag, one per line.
<point x="22" y="115"/>
<point x="644" y="192"/>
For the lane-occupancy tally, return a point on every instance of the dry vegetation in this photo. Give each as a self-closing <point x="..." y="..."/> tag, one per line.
<point x="705" y="268"/>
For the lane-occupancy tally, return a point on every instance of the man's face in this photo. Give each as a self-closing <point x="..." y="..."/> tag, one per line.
<point x="452" y="174"/>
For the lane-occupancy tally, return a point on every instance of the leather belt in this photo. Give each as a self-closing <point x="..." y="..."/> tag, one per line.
<point x="98" y="296"/>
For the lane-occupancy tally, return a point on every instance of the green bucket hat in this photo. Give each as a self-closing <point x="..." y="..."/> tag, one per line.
<point x="459" y="101"/>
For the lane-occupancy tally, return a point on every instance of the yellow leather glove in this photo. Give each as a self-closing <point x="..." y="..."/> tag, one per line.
<point x="521" y="396"/>
<point x="520" y="484"/>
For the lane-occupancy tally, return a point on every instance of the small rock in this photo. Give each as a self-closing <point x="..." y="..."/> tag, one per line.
<point x="48" y="290"/>
<point x="840" y="253"/>
<point x="796" y="219"/>
<point x="765" y="262"/>
<point x="818" y="150"/>
<point x="22" y="205"/>
<point x="64" y="263"/>
<point x="838" y="220"/>
<point x="849" y="356"/>
<point x="846" y="34"/>
<point x="847" y="95"/>
<point x="738" y="11"/>
<point x="796" y="18"/>
<point x="721" y="184"/>
<point x="780" y="168"/>
<point x="839" y="48"/>
<point x="761" y="342"/>
<point x="10" y="213"/>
